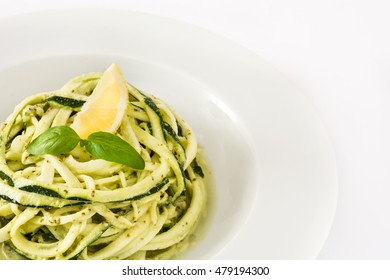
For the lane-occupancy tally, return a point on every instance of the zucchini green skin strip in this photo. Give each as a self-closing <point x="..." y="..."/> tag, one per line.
<point x="40" y="190"/>
<point x="198" y="169"/>
<point x="133" y="192"/>
<point x="29" y="199"/>
<point x="178" y="149"/>
<point x="38" y="196"/>
<point x="153" y="190"/>
<point x="65" y="101"/>
<point x="155" y="118"/>
<point x="7" y="178"/>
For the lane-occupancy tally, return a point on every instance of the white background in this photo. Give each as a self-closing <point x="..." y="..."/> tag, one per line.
<point x="338" y="52"/>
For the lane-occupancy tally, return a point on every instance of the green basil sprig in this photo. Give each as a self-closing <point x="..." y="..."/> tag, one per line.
<point x="103" y="145"/>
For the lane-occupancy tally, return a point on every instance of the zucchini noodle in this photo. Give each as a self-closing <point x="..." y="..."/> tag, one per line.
<point x="73" y="206"/>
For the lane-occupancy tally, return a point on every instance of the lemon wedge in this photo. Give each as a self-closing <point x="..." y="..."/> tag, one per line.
<point x="105" y="107"/>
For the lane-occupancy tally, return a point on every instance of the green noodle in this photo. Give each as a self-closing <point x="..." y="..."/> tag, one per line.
<point x="72" y="206"/>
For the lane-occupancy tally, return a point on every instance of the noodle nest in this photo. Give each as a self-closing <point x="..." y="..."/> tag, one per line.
<point x="74" y="206"/>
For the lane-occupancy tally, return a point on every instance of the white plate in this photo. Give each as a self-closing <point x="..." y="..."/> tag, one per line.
<point x="275" y="182"/>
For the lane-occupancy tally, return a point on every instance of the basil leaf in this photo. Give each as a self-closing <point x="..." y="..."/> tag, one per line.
<point x="55" y="140"/>
<point x="109" y="147"/>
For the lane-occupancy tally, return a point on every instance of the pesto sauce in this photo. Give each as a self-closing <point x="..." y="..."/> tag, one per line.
<point x="7" y="253"/>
